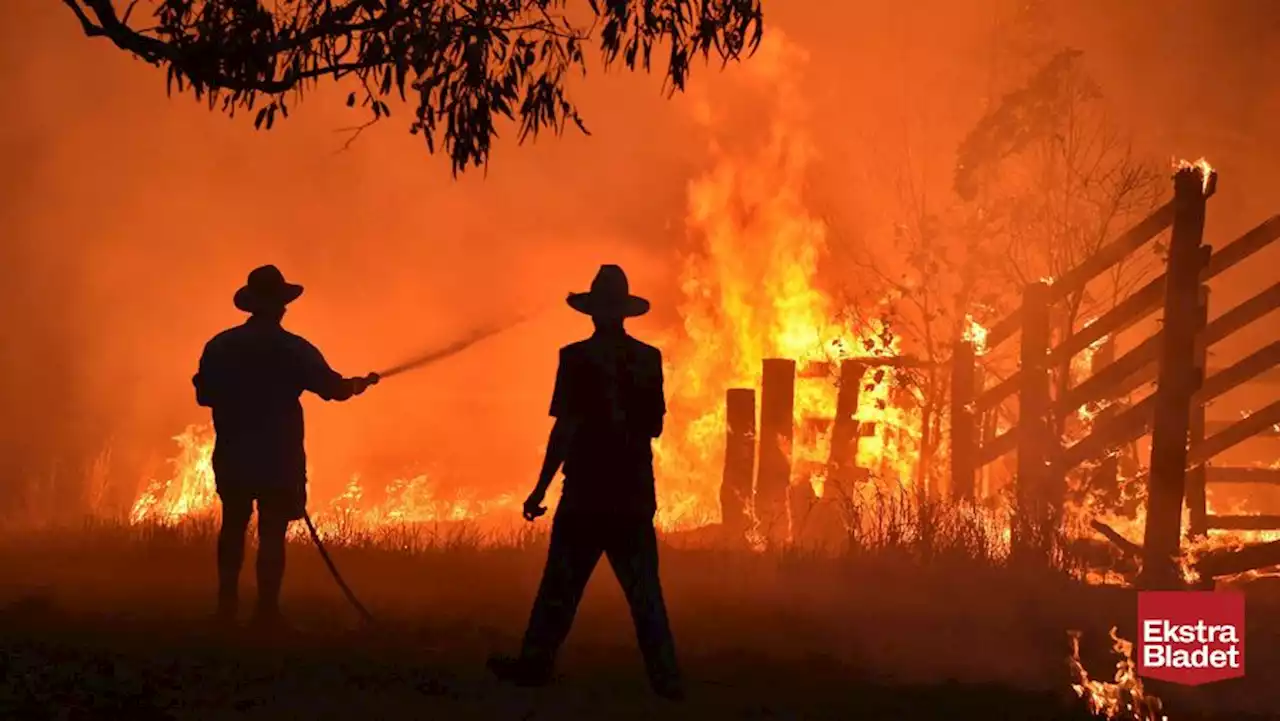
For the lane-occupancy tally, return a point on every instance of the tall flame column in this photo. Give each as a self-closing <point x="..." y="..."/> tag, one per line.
<point x="777" y="433"/>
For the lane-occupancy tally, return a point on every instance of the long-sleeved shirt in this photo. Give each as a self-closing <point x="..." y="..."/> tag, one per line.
<point x="252" y="376"/>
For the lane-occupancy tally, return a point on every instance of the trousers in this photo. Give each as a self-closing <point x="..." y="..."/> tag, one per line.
<point x="631" y="545"/>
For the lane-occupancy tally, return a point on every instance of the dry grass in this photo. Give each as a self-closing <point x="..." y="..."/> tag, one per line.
<point x="915" y="617"/>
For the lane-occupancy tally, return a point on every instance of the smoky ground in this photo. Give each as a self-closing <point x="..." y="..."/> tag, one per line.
<point x="113" y="621"/>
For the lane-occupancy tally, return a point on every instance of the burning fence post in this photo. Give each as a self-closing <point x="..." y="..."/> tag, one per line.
<point x="777" y="432"/>
<point x="1175" y="385"/>
<point x="1034" y="517"/>
<point x="845" y="430"/>
<point x="739" y="460"/>
<point x="1197" y="501"/>
<point x="963" y="424"/>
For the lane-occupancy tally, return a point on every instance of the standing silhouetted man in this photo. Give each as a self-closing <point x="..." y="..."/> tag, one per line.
<point x="608" y="407"/>
<point x="252" y="377"/>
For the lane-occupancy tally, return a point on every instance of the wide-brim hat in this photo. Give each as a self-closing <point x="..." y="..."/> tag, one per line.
<point x="609" y="297"/>
<point x="266" y="289"/>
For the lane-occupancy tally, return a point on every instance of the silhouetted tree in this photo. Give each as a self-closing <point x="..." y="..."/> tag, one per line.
<point x="1054" y="178"/>
<point x="931" y="283"/>
<point x="463" y="63"/>
<point x="1061" y="181"/>
<point x="1060" y="176"/>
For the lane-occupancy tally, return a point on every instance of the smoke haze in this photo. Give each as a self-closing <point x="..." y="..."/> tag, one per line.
<point x="128" y="218"/>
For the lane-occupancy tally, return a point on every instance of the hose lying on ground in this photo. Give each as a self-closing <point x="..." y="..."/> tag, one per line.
<point x="333" y="570"/>
<point x="418" y="362"/>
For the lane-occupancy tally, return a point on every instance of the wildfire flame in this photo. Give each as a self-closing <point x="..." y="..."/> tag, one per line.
<point x="975" y="333"/>
<point x="751" y="292"/>
<point x="1202" y="165"/>
<point x="191" y="492"/>
<point x="752" y="289"/>
<point x="1123" y="698"/>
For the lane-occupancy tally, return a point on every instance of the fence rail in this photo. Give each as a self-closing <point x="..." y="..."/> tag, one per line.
<point x="1175" y="357"/>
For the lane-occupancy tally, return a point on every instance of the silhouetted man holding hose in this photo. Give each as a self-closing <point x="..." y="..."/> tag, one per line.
<point x="608" y="407"/>
<point x="252" y="376"/>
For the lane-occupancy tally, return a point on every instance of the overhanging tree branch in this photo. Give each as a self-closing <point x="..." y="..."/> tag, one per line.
<point x="462" y="63"/>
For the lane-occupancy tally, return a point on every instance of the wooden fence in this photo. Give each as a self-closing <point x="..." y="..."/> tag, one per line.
<point x="1175" y="357"/>
<point x="1183" y="441"/>
<point x="767" y="494"/>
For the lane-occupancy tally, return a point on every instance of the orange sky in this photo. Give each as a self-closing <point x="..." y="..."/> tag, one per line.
<point x="128" y="219"/>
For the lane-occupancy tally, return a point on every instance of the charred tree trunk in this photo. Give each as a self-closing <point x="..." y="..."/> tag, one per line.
<point x="739" y="461"/>
<point x="777" y="432"/>
<point x="963" y="425"/>
<point x="1035" y="516"/>
<point x="1175" y="386"/>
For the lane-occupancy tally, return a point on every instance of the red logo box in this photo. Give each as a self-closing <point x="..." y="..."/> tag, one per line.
<point x="1190" y="637"/>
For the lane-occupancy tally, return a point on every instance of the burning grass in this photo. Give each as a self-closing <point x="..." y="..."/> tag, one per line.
<point x="872" y="516"/>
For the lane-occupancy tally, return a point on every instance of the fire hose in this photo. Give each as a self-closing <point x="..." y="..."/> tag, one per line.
<point x="420" y="361"/>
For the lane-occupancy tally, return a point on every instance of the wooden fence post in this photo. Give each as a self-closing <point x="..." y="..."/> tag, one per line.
<point x="963" y="426"/>
<point x="1197" y="498"/>
<point x="1033" y="519"/>
<point x="777" y="432"/>
<point x="1166" y="485"/>
<point x="739" y="460"/>
<point x="987" y="424"/>
<point x="844" y="431"/>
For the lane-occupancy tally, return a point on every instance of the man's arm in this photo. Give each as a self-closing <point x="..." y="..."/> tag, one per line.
<point x="558" y="443"/>
<point x="324" y="381"/>
<point x="202" y="381"/>
<point x="564" y="408"/>
<point x="653" y="395"/>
